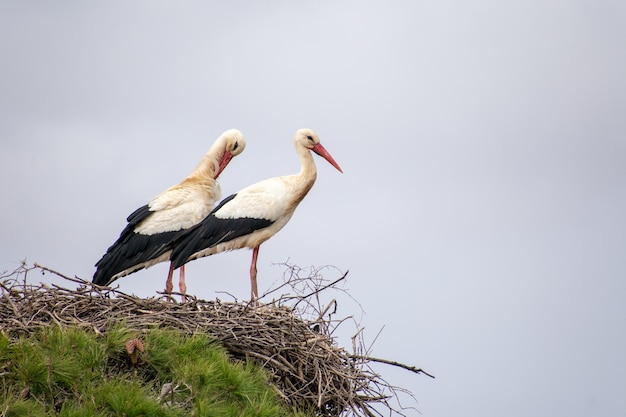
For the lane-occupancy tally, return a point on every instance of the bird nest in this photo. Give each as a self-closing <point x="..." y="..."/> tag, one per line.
<point x="291" y="336"/>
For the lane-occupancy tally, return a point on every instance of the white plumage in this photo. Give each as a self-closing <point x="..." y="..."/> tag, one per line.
<point x="179" y="208"/>
<point x="254" y="214"/>
<point x="146" y="239"/>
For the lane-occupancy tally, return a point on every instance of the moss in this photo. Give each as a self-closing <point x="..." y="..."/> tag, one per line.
<point x="72" y="372"/>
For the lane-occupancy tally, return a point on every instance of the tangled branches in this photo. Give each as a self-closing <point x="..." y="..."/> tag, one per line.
<point x="306" y="366"/>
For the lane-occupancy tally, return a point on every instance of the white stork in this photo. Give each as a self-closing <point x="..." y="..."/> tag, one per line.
<point x="254" y="214"/>
<point x="146" y="239"/>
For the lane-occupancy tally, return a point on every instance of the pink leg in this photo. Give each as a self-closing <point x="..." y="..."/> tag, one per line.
<point x="181" y="281"/>
<point x="255" y="292"/>
<point x="169" y="286"/>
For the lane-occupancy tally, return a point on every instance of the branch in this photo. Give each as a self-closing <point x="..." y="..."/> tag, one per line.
<point x="394" y="363"/>
<point x="79" y="280"/>
<point x="45" y="268"/>
<point x="320" y="289"/>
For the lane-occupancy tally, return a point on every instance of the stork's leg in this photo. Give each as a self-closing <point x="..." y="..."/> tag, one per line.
<point x="255" y="292"/>
<point x="181" y="282"/>
<point x="169" y="285"/>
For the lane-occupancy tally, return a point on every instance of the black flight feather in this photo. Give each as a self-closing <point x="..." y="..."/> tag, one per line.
<point x="132" y="248"/>
<point x="212" y="231"/>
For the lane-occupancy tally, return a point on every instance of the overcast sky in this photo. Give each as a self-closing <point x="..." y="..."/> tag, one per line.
<point x="482" y="209"/>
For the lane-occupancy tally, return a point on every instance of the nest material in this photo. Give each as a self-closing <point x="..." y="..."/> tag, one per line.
<point x="306" y="366"/>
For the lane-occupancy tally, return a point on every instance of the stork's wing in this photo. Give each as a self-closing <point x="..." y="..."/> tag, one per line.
<point x="212" y="231"/>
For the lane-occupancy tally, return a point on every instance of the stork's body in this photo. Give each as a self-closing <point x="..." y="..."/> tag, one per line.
<point x="254" y="214"/>
<point x="146" y="239"/>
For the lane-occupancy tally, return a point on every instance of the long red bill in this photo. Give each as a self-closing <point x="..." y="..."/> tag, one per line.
<point x="223" y="162"/>
<point x="321" y="151"/>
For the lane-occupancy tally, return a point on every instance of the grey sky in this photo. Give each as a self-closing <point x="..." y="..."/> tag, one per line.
<point x="482" y="209"/>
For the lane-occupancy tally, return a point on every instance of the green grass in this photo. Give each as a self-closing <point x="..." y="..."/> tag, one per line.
<point x="72" y="372"/>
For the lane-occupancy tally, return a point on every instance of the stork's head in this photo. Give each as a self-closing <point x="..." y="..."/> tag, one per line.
<point x="308" y="139"/>
<point x="230" y="143"/>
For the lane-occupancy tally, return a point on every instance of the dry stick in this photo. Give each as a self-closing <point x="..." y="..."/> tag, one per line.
<point x="394" y="363"/>
<point x="323" y="313"/>
<point x="76" y="279"/>
<point x="322" y="288"/>
<point x="43" y="268"/>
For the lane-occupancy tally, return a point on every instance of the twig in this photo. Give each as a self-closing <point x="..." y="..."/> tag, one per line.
<point x="318" y="290"/>
<point x="44" y="268"/>
<point x="394" y="363"/>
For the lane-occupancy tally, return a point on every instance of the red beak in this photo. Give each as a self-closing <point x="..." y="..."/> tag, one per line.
<point x="321" y="151"/>
<point x="223" y="162"/>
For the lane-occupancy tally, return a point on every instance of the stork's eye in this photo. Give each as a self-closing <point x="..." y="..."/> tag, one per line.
<point x="309" y="137"/>
<point x="235" y="146"/>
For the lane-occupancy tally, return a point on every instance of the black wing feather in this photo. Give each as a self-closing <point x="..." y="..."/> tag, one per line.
<point x="212" y="231"/>
<point x="131" y="248"/>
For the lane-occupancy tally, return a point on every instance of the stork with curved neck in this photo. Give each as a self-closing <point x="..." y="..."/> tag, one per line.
<point x="256" y="213"/>
<point x="147" y="237"/>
